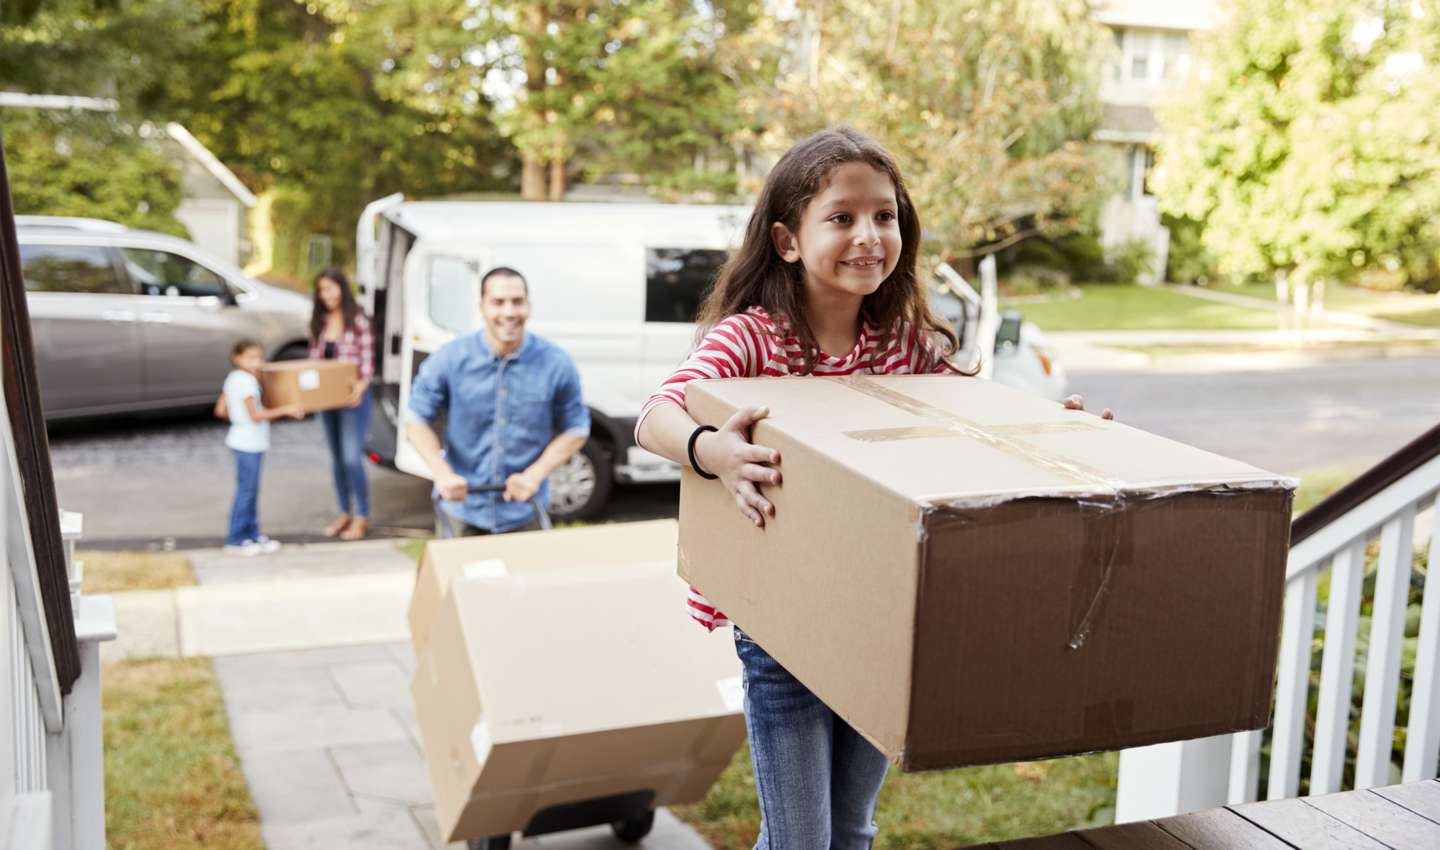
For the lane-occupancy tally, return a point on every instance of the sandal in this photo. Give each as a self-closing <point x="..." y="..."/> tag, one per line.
<point x="357" y="529"/>
<point x="335" y="528"/>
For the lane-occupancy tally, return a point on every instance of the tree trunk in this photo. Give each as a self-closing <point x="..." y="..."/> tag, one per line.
<point x="532" y="173"/>
<point x="557" y="179"/>
<point x="532" y="179"/>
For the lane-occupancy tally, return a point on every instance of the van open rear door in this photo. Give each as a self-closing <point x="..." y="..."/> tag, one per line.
<point x="440" y="301"/>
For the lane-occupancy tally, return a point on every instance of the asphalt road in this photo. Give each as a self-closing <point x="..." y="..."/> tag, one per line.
<point x="159" y="482"/>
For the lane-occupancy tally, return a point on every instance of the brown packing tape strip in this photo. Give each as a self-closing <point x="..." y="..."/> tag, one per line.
<point x="1000" y="438"/>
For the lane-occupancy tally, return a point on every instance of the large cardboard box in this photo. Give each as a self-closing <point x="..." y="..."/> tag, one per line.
<point x="969" y="574"/>
<point x="316" y="384"/>
<point x="585" y="547"/>
<point x="594" y="684"/>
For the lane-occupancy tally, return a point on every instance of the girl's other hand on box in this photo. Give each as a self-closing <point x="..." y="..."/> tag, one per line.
<point x="357" y="393"/>
<point x="295" y="411"/>
<point x="742" y="465"/>
<point x="1077" y="402"/>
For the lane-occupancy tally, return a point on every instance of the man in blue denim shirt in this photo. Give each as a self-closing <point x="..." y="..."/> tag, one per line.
<point x="514" y="414"/>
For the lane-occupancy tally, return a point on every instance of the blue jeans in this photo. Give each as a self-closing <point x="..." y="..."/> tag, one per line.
<point x="345" y="431"/>
<point x="817" y="779"/>
<point x="244" y="512"/>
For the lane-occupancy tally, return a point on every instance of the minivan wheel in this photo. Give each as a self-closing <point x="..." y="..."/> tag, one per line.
<point x="294" y="351"/>
<point x="581" y="486"/>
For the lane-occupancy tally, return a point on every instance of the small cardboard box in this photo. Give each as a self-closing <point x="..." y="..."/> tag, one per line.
<point x="316" y="384"/>
<point x="969" y="574"/>
<point x="595" y="684"/>
<point x="490" y="556"/>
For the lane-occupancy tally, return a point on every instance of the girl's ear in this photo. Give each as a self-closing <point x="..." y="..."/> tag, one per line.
<point x="785" y="243"/>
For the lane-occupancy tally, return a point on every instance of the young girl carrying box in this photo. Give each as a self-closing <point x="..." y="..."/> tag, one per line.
<point x="824" y="283"/>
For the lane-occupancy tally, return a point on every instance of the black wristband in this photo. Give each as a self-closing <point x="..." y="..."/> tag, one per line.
<point x="690" y="450"/>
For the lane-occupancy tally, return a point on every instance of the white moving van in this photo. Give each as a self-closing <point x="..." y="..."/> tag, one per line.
<point x="616" y="285"/>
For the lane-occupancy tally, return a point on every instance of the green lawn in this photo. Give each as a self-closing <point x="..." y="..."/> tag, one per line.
<point x="941" y="810"/>
<point x="172" y="779"/>
<point x="1411" y="308"/>
<point x="1097" y="307"/>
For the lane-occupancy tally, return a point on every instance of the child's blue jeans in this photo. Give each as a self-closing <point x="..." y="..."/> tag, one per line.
<point x="817" y="779"/>
<point x="244" y="512"/>
<point x="345" y="431"/>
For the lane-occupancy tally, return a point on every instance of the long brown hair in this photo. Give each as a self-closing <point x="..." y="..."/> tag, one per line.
<point x="348" y="308"/>
<point x="757" y="276"/>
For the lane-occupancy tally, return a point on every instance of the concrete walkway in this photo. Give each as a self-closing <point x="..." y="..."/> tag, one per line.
<point x="312" y="652"/>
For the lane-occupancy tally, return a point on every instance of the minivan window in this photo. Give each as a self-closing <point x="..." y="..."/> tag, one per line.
<point x="676" y="281"/>
<point x="164" y="273"/>
<point x="454" y="295"/>
<point x="68" y="268"/>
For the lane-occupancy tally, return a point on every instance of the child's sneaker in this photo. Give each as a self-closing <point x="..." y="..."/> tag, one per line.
<point x="247" y="549"/>
<point x="267" y="546"/>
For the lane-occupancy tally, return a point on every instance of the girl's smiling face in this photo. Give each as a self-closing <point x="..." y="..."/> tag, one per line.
<point x="848" y="240"/>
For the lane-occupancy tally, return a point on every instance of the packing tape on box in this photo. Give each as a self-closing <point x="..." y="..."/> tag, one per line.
<point x="490" y="568"/>
<point x="1004" y="439"/>
<point x="1000" y="438"/>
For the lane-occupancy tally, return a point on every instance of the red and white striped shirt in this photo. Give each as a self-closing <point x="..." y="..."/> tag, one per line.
<point x="752" y="344"/>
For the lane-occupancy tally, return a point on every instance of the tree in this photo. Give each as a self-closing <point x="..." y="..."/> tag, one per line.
<point x="594" y="87"/>
<point x="332" y="105"/>
<point x="1310" y="143"/>
<point x="89" y="164"/>
<point x="987" y="104"/>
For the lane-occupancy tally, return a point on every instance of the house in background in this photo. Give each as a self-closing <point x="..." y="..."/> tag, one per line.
<point x="213" y="202"/>
<point x="1152" y="57"/>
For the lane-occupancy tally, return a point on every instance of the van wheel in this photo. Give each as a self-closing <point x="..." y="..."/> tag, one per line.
<point x="494" y="842"/>
<point x="294" y="351"/>
<point x="633" y="830"/>
<point x="581" y="487"/>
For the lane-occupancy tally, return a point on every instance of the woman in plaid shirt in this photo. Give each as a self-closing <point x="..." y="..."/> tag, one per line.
<point x="339" y="330"/>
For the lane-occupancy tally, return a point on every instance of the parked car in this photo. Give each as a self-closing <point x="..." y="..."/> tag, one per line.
<point x="129" y="320"/>
<point x="616" y="285"/>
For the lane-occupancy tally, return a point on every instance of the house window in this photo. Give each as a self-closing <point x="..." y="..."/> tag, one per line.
<point x="1138" y="44"/>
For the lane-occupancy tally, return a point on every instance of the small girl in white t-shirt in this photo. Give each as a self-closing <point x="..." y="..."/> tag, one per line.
<point x="248" y="438"/>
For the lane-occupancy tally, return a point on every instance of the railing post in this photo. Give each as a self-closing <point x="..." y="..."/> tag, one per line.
<point x="1171" y="779"/>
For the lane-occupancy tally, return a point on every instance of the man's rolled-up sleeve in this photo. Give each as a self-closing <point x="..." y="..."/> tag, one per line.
<point x="429" y="392"/>
<point x="571" y="414"/>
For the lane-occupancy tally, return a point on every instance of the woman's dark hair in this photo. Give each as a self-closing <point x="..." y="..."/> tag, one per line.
<point x="757" y="276"/>
<point x="243" y="345"/>
<point x="348" y="307"/>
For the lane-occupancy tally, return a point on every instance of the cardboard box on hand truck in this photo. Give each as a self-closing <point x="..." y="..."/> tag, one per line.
<point x="969" y="574"/>
<point x="316" y="384"/>
<point x="584" y="547"/>
<point x="556" y="698"/>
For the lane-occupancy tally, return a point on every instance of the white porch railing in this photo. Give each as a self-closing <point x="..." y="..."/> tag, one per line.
<point x="52" y="791"/>
<point x="1376" y="539"/>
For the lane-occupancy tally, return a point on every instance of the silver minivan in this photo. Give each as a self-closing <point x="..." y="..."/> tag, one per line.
<point x="129" y="320"/>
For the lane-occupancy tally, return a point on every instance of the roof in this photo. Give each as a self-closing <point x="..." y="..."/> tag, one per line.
<point x="1157" y="14"/>
<point x="202" y="155"/>
<point x="689" y="225"/>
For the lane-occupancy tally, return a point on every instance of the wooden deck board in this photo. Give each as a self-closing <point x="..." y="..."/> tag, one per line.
<point x="1381" y="819"/>
<point x="1303" y="825"/>
<point x="1131" y="836"/>
<point x="1399" y="817"/>
<point x="1220" y="829"/>
<point x="1422" y="798"/>
<point x="1063" y="841"/>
